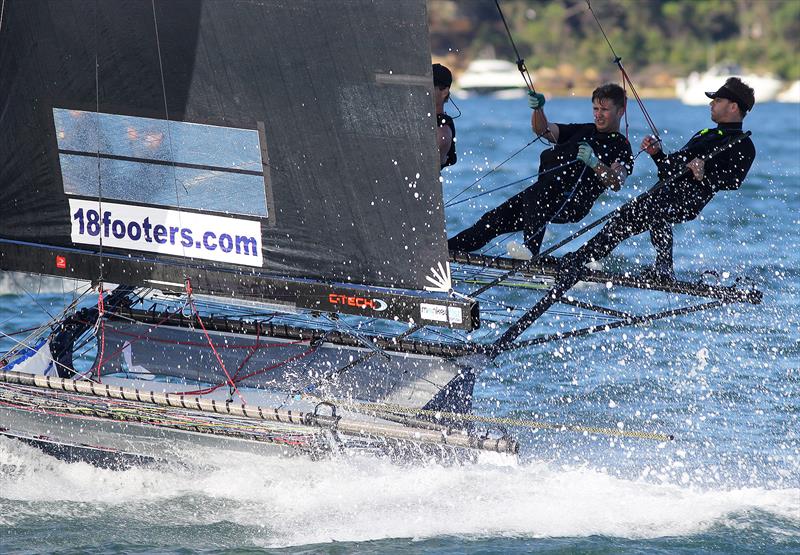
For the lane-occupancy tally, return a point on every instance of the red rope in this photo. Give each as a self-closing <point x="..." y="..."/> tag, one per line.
<point x="140" y="337"/>
<point x="625" y="90"/>
<point x="264" y="370"/>
<point x="645" y="113"/>
<point x="251" y="353"/>
<point x="625" y="78"/>
<point x="208" y="337"/>
<point x="287" y="361"/>
<point x="116" y="353"/>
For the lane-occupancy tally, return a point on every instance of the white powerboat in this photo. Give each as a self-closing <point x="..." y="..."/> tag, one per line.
<point x="792" y="94"/>
<point x="692" y="89"/>
<point x="489" y="76"/>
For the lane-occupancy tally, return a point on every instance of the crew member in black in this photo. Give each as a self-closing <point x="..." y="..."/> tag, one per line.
<point x="682" y="200"/>
<point x="442" y="79"/>
<point x="587" y="159"/>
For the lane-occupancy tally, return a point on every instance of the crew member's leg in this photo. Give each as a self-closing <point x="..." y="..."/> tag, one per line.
<point x="633" y="218"/>
<point x="528" y="211"/>
<point x="661" y="238"/>
<point x="542" y="205"/>
<point x="534" y="238"/>
<point x="506" y="218"/>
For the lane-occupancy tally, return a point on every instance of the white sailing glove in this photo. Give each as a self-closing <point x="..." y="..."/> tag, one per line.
<point x="587" y="155"/>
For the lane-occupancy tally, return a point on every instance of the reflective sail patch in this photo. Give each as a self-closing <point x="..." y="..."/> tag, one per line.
<point x="440" y="279"/>
<point x="162" y="231"/>
<point x="164" y="163"/>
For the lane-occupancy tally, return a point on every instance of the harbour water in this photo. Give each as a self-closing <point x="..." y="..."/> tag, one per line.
<point x="725" y="383"/>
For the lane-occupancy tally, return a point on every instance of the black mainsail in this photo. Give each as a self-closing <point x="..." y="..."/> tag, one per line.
<point x="247" y="146"/>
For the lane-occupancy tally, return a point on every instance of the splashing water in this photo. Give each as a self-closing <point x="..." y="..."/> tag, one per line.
<point x="727" y="384"/>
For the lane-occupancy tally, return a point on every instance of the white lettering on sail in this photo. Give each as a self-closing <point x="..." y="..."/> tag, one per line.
<point x="172" y="232"/>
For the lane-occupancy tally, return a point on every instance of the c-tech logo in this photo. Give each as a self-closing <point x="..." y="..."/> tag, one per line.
<point x="360" y="302"/>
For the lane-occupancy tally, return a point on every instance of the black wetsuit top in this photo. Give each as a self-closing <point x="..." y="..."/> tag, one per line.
<point x="583" y="183"/>
<point x="444" y="119"/>
<point x="680" y="200"/>
<point x="562" y="195"/>
<point x="725" y="171"/>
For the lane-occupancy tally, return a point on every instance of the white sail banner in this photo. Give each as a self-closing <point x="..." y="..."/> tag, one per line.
<point x="171" y="232"/>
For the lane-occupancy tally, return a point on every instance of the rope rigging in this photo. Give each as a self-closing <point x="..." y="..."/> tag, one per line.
<point x="190" y="300"/>
<point x="452" y="202"/>
<point x="520" y="62"/>
<point x="98" y="134"/>
<point x="526" y="77"/>
<point x="626" y="81"/>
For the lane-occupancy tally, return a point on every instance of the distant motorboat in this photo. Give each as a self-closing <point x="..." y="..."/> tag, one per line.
<point x="692" y="89"/>
<point x="792" y="94"/>
<point x="489" y="76"/>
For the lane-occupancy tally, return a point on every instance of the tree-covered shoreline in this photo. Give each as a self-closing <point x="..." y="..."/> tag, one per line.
<point x="658" y="40"/>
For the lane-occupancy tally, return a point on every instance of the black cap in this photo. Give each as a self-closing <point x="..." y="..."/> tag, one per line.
<point x="442" y="76"/>
<point x="736" y="90"/>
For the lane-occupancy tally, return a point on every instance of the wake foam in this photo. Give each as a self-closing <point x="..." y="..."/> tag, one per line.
<point x="294" y="501"/>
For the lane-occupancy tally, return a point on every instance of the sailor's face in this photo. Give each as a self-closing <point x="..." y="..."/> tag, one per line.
<point x="722" y="110"/>
<point x="606" y="115"/>
<point x="442" y="94"/>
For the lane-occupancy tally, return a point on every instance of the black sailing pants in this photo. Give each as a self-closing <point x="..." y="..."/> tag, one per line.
<point x="528" y="211"/>
<point x="655" y="211"/>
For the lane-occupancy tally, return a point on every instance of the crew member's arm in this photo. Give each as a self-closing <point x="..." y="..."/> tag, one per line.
<point x="445" y="137"/>
<point x="668" y="165"/>
<point x="727" y="169"/>
<point x="539" y="122"/>
<point x="613" y="176"/>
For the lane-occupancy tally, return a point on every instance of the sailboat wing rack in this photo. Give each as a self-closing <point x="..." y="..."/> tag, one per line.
<point x="548" y="267"/>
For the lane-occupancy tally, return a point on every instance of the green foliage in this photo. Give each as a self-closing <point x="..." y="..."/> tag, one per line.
<point x="683" y="35"/>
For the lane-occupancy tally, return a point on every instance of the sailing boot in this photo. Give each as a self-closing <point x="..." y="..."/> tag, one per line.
<point x="661" y="271"/>
<point x="657" y="274"/>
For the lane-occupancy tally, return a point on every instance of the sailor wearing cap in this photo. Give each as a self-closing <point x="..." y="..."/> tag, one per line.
<point x="687" y="192"/>
<point x="442" y="79"/>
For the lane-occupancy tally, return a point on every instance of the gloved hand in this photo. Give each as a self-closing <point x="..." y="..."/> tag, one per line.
<point x="535" y="100"/>
<point x="587" y="155"/>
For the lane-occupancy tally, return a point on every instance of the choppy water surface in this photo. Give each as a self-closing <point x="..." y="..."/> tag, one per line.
<point x="726" y="383"/>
